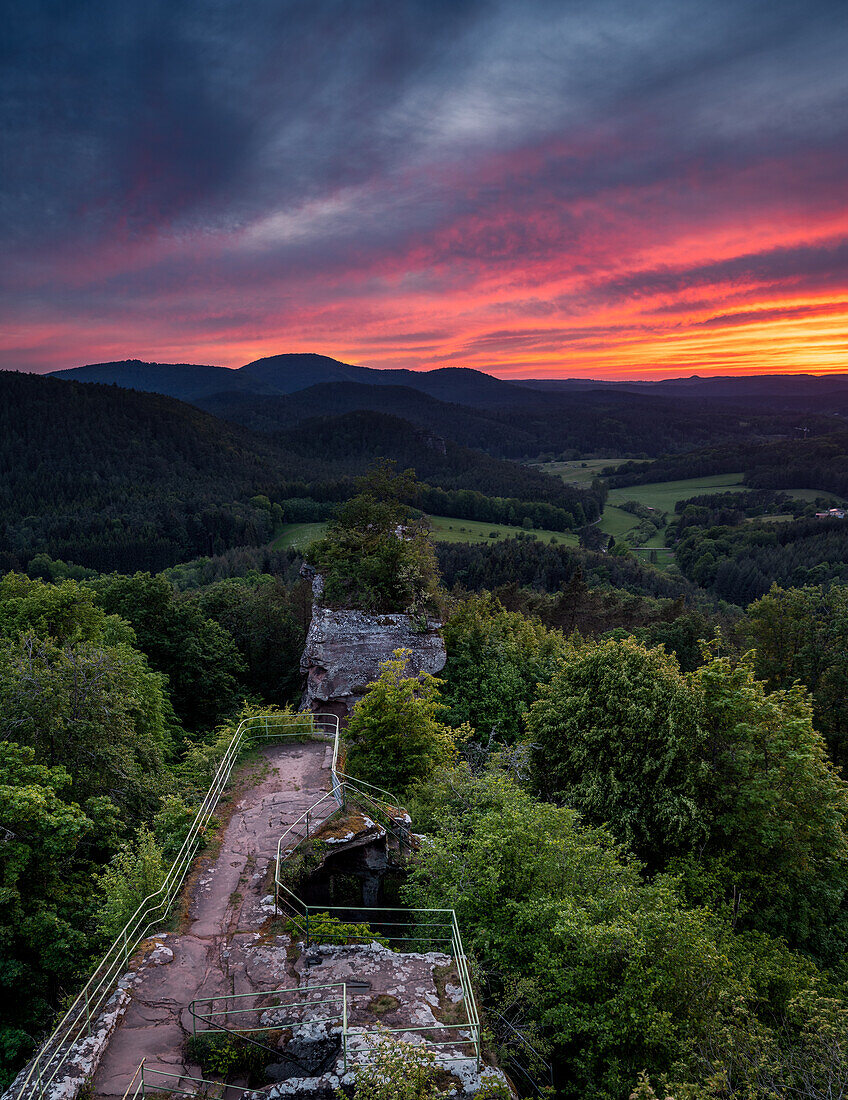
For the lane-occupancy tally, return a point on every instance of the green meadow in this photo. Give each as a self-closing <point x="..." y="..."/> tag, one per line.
<point x="444" y="529"/>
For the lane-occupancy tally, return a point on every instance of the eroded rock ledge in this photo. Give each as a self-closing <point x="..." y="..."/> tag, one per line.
<point x="344" y="651"/>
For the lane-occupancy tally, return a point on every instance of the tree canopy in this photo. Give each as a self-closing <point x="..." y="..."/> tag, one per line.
<point x="615" y="734"/>
<point x="393" y="736"/>
<point x="376" y="555"/>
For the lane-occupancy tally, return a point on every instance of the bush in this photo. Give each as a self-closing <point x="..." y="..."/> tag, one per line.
<point x="136" y="872"/>
<point x="326" y="929"/>
<point x="397" y="1070"/>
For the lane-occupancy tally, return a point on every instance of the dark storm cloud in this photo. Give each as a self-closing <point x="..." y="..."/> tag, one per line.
<point x="132" y="116"/>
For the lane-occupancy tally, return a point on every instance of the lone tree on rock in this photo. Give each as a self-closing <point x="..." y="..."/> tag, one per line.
<point x="377" y="555"/>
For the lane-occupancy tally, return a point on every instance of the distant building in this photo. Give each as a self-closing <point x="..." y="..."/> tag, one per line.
<point x="832" y="513"/>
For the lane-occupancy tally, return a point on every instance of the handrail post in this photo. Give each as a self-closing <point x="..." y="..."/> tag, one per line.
<point x="344" y="1026"/>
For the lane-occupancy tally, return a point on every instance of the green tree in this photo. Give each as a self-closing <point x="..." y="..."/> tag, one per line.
<point x="135" y="872"/>
<point x="616" y="735"/>
<point x="620" y="975"/>
<point x="682" y="635"/>
<point x="264" y="618"/>
<point x="376" y="555"/>
<point x="393" y="736"/>
<point x="802" y="634"/>
<point x="43" y="897"/>
<point x="97" y="710"/>
<point x="198" y="656"/>
<point x="496" y="660"/>
<point x="66" y="612"/>
<point x="777" y="810"/>
<point x="707" y="774"/>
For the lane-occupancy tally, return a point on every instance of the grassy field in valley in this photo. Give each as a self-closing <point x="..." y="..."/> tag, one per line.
<point x="663" y="495"/>
<point x="445" y="529"/>
<point x="297" y="535"/>
<point x="581" y="471"/>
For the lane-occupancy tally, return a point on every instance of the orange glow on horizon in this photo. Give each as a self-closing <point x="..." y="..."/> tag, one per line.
<point x="626" y="300"/>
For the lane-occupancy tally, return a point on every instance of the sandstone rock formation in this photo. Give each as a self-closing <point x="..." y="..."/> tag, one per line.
<point x="344" y="651"/>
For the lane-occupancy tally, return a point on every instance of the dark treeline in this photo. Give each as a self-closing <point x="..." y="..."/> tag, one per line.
<point x="546" y="568"/>
<point x="713" y="509"/>
<point x="560" y="424"/>
<point x="465" y="504"/>
<point x="357" y="439"/>
<point x="740" y="563"/>
<point x="820" y="462"/>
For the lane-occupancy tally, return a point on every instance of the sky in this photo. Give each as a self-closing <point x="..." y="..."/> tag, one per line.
<point x="599" y="188"/>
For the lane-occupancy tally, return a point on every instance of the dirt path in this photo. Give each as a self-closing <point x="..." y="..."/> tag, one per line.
<point x="223" y="949"/>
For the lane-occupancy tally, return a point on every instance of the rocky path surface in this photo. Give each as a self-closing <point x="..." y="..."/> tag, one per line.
<point x="226" y="946"/>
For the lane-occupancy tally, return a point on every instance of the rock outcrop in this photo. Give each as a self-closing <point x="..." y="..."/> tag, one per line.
<point x="344" y="651"/>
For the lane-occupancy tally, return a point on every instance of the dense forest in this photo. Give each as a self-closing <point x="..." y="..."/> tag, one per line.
<point x="629" y="776"/>
<point x="596" y="421"/>
<point x="740" y="563"/>
<point x="107" y="478"/>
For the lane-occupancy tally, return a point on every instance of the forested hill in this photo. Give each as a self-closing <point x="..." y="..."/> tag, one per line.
<point x="459" y="423"/>
<point x="355" y="440"/>
<point x="288" y="373"/>
<point x="608" y="421"/>
<point x="114" y="479"/>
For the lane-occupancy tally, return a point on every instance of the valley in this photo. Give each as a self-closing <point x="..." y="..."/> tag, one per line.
<point x="443" y="529"/>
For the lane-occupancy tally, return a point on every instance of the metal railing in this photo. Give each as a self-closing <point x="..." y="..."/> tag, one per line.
<point x="48" y="1062"/>
<point x="46" y="1066"/>
<point x="145" y="1082"/>
<point x="251" y="1016"/>
<point x="425" y="929"/>
<point x="402" y="929"/>
<point x="273" y="1011"/>
<point x="522" y="1058"/>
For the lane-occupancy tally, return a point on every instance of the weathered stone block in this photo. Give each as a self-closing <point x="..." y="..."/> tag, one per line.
<point x="344" y="651"/>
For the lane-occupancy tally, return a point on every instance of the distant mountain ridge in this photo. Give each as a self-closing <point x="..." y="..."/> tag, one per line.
<point x="729" y="386"/>
<point x="285" y="374"/>
<point x="507" y="419"/>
